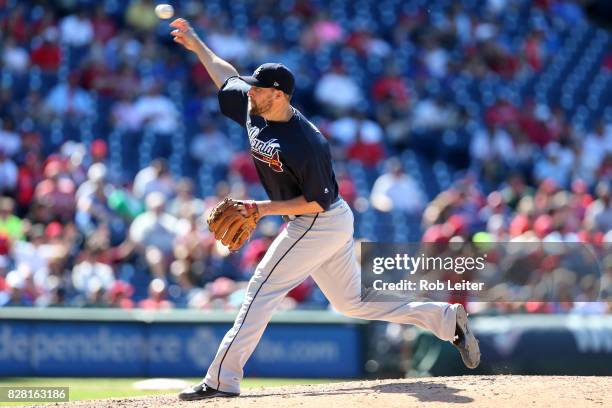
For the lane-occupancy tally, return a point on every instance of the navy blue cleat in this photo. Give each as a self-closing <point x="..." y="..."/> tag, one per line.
<point x="202" y="391"/>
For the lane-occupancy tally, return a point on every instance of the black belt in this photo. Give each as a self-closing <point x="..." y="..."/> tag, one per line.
<point x="288" y="218"/>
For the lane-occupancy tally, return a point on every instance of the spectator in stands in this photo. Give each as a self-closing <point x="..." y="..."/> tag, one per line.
<point x="184" y="291"/>
<point x="120" y="294"/>
<point x="391" y="87"/>
<point x="10" y="224"/>
<point x="4" y="265"/>
<point x="496" y="209"/>
<point x="515" y="190"/>
<point x="140" y="14"/>
<point x="256" y="248"/>
<point x="47" y="20"/>
<point x="34" y="109"/>
<point x="492" y="153"/>
<point x="6" y="107"/>
<point x="123" y="113"/>
<point x="435" y="57"/>
<point x="595" y="147"/>
<point x="93" y="207"/>
<point x="534" y="50"/>
<point x="346" y="186"/>
<point x="29" y="290"/>
<point x="322" y="31"/>
<point x="492" y="143"/>
<point x="8" y="173"/>
<point x="502" y="113"/>
<point x="97" y="76"/>
<point x="218" y="294"/>
<point x="243" y="166"/>
<point x="14" y="295"/>
<point x="98" y="151"/>
<point x="227" y="44"/>
<point x="15" y="23"/>
<point x="193" y="244"/>
<point x="368" y="152"/>
<point x="47" y="55"/>
<point x="211" y="146"/>
<point x="155" y="111"/>
<point x="14" y="57"/>
<point x="524" y="151"/>
<point x="55" y="295"/>
<point x="185" y="203"/>
<point x="599" y="214"/>
<point x="127" y="81"/>
<point x="95" y="296"/>
<point x="32" y="253"/>
<point x="154" y="178"/>
<point x="368" y="43"/>
<point x="434" y="114"/>
<point x="10" y="141"/>
<point x="76" y="30"/>
<point x="54" y="196"/>
<point x="556" y="165"/>
<point x="344" y="130"/>
<point x="28" y="176"/>
<point x="533" y="123"/>
<point x="5" y="244"/>
<point x="337" y="91"/>
<point x="396" y="190"/>
<point x="71" y="158"/>
<point x="69" y="99"/>
<point x="153" y="233"/>
<point x="90" y="275"/>
<point x="96" y="175"/>
<point x="157" y="297"/>
<point x="104" y="26"/>
<point x="60" y="240"/>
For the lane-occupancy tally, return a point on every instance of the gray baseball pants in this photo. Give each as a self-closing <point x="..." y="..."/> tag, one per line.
<point x="319" y="245"/>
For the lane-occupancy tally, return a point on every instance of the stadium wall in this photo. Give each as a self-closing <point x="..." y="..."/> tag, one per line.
<point x="525" y="344"/>
<point x="99" y="342"/>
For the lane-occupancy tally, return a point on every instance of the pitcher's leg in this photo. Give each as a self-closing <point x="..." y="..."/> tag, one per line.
<point x="225" y="372"/>
<point x="340" y="280"/>
<point x="298" y="250"/>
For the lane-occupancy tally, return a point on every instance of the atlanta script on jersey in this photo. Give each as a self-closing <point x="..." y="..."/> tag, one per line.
<point x="267" y="152"/>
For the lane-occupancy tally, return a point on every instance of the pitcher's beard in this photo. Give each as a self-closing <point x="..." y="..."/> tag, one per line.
<point x="257" y="110"/>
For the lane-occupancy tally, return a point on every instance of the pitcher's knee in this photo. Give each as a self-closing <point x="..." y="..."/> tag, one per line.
<point x="349" y="308"/>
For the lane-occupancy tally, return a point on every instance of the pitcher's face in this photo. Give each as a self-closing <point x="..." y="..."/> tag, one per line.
<point x="260" y="100"/>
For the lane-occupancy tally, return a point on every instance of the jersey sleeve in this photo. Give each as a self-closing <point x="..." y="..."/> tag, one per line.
<point x="317" y="179"/>
<point x="233" y="100"/>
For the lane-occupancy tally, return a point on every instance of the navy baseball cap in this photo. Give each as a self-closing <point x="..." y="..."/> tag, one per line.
<point x="272" y="75"/>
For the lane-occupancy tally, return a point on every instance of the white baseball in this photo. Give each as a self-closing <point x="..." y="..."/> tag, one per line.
<point x="164" y="11"/>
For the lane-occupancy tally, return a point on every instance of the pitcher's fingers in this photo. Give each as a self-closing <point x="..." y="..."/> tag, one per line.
<point x="180" y="23"/>
<point x="176" y="33"/>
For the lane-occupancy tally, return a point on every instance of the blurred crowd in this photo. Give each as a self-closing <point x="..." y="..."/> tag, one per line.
<point x="82" y="225"/>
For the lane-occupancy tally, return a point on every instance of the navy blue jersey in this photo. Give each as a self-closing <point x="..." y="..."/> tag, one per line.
<point x="292" y="158"/>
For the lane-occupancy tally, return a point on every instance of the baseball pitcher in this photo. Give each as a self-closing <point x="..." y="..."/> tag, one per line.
<point x="294" y="164"/>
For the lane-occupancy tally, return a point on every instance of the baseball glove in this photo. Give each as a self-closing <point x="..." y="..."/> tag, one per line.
<point x="233" y="221"/>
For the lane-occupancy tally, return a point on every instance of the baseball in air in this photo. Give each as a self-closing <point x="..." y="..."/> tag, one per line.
<point x="164" y="11"/>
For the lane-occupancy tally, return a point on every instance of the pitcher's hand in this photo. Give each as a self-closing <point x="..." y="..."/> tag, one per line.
<point x="184" y="34"/>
